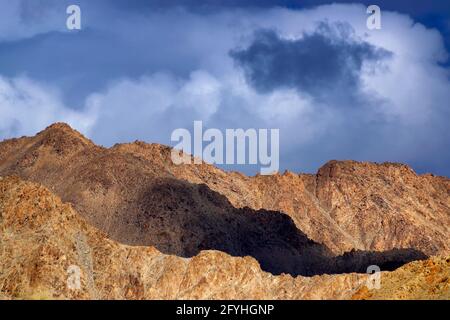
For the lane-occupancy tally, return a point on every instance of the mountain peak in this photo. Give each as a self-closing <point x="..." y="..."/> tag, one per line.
<point x="60" y="125"/>
<point x="335" y="168"/>
<point x="135" y="194"/>
<point x="64" y="134"/>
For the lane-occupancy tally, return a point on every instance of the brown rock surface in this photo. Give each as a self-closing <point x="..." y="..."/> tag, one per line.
<point x="290" y="223"/>
<point x="41" y="237"/>
<point x="136" y="195"/>
<point x="429" y="279"/>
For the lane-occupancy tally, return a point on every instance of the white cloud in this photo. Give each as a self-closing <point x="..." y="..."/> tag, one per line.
<point x="151" y="107"/>
<point x="27" y="107"/>
<point x="413" y="91"/>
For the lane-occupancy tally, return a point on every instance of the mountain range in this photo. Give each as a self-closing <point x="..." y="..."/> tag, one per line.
<point x="140" y="227"/>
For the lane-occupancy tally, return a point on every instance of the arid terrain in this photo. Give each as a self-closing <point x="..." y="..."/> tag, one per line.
<point x="140" y="227"/>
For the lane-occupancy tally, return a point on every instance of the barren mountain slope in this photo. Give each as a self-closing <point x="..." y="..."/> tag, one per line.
<point x="41" y="238"/>
<point x="347" y="204"/>
<point x="137" y="196"/>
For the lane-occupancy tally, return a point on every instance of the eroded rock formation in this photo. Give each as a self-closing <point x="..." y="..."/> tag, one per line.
<point x="347" y="216"/>
<point x="41" y="238"/>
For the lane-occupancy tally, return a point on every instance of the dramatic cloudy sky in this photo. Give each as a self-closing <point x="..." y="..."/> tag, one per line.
<point x="140" y="69"/>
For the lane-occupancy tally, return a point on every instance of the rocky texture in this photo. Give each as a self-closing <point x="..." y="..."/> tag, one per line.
<point x="428" y="279"/>
<point x="351" y="205"/>
<point x="137" y="196"/>
<point x="297" y="224"/>
<point x="41" y="238"/>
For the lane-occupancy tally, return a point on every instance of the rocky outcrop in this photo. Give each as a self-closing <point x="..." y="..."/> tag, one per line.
<point x="139" y="227"/>
<point x="418" y="280"/>
<point x="296" y="224"/>
<point x="43" y="240"/>
<point x="137" y="196"/>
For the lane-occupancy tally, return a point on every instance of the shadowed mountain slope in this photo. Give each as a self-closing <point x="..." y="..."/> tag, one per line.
<point x="291" y="223"/>
<point x="42" y="239"/>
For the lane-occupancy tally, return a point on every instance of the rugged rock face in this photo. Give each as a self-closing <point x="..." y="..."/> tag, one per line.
<point x="41" y="238"/>
<point x="297" y="224"/>
<point x="193" y="231"/>
<point x="428" y="279"/>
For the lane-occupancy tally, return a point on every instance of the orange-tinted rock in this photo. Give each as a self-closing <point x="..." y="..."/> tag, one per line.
<point x="137" y="196"/>
<point x="41" y="238"/>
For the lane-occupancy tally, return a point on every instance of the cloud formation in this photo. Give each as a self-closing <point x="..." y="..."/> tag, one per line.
<point x="27" y="107"/>
<point x="334" y="89"/>
<point x="21" y="19"/>
<point x="323" y="64"/>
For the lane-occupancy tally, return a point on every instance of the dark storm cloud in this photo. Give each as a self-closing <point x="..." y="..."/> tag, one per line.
<point x="327" y="60"/>
<point x="432" y="13"/>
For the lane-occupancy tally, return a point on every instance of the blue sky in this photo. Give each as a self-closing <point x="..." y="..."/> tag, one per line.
<point x="140" y="69"/>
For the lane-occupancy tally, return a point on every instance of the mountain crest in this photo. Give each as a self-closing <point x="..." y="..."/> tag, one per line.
<point x="136" y="195"/>
<point x="63" y="131"/>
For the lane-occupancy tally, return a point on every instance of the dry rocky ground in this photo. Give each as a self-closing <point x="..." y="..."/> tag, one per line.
<point x="41" y="237"/>
<point x="140" y="227"/>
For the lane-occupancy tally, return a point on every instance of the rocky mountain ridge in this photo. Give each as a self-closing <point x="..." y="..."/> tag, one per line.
<point x="347" y="216"/>
<point x="42" y="238"/>
<point x="346" y="205"/>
